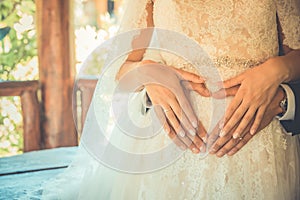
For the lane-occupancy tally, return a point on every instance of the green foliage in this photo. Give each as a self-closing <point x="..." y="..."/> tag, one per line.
<point x="3" y="32"/>
<point x="11" y="140"/>
<point x="18" y="47"/>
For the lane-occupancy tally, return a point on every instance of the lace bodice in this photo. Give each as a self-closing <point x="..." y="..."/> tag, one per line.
<point x="234" y="28"/>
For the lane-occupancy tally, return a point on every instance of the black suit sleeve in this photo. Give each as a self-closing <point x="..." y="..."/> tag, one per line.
<point x="293" y="126"/>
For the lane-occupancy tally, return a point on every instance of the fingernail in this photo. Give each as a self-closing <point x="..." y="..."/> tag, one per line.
<point x="232" y="152"/>
<point x="212" y="151"/>
<point x="195" y="124"/>
<point x="181" y="133"/>
<point x="202" y="149"/>
<point x="222" y="133"/>
<point x="195" y="150"/>
<point x="207" y="93"/>
<point x="221" y="125"/>
<point x="192" y="132"/>
<point x="201" y="79"/>
<point x="220" y="154"/>
<point x="252" y="131"/>
<point x="204" y="139"/>
<point x="235" y="135"/>
<point x="182" y="148"/>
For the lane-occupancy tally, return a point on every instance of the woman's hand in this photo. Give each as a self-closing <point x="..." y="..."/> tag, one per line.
<point x="255" y="88"/>
<point x="167" y="89"/>
<point x="228" y="145"/>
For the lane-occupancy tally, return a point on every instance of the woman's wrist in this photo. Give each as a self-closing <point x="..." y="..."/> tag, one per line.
<point x="144" y="62"/>
<point x="129" y="66"/>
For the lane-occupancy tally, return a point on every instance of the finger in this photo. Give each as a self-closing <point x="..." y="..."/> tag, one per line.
<point x="231" y="143"/>
<point x="180" y="131"/>
<point x="182" y="118"/>
<point x="198" y="142"/>
<point x="190" y="130"/>
<point x="240" y="145"/>
<point x="221" y="94"/>
<point x="184" y="75"/>
<point x="258" y="118"/>
<point x="247" y="120"/>
<point x="189" y="143"/>
<point x="212" y="137"/>
<point x="233" y="81"/>
<point x="202" y="133"/>
<point x="219" y="143"/>
<point x="176" y="140"/>
<point x="162" y="118"/>
<point x="227" y="147"/>
<point x="200" y="139"/>
<point x="233" y="114"/>
<point x="183" y="138"/>
<point x="186" y="108"/>
<point x="168" y="129"/>
<point x="172" y="119"/>
<point x="197" y="87"/>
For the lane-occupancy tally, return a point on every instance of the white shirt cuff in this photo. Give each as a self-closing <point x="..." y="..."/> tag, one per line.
<point x="290" y="112"/>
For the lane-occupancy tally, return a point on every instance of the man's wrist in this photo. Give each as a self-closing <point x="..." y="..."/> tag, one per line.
<point x="290" y="103"/>
<point x="278" y="66"/>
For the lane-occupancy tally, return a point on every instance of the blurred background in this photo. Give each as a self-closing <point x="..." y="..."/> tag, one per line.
<point x="33" y="35"/>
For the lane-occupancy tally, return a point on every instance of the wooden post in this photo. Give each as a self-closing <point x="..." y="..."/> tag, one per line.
<point x="31" y="121"/>
<point x="56" y="67"/>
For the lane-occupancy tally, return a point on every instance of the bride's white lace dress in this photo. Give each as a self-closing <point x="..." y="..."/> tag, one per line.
<point x="236" y="34"/>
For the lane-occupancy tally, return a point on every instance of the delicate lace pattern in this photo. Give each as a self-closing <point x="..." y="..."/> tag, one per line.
<point x="289" y="17"/>
<point x="136" y="15"/>
<point x="229" y="28"/>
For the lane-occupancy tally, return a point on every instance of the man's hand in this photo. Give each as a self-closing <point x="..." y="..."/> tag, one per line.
<point x="229" y="145"/>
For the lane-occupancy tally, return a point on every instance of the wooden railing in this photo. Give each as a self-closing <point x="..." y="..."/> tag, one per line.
<point x="27" y="91"/>
<point x="31" y="107"/>
<point x="86" y="88"/>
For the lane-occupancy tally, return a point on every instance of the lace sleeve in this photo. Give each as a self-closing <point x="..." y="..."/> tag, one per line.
<point x="135" y="16"/>
<point x="153" y="51"/>
<point x="288" y="12"/>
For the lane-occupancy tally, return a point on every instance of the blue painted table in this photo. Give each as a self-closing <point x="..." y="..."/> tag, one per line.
<point x="21" y="174"/>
